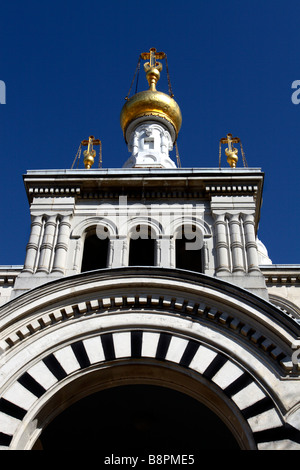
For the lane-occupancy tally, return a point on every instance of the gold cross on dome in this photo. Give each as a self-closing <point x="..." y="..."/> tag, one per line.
<point x="152" y="68"/>
<point x="152" y="55"/>
<point x="229" y="140"/>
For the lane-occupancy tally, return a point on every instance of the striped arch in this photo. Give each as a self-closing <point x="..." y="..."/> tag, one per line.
<point x="255" y="405"/>
<point x="76" y="338"/>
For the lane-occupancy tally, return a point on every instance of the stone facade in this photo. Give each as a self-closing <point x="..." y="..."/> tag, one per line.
<point x="226" y="331"/>
<point x="64" y="205"/>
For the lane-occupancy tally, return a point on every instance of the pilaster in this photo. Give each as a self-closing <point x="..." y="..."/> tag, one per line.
<point x="236" y="252"/>
<point x="33" y="244"/>
<point x="47" y="246"/>
<point x="236" y="244"/>
<point x="222" y="246"/>
<point x="250" y="243"/>
<point x="62" y="245"/>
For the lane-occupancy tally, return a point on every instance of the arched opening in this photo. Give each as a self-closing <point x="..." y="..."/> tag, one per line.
<point x="188" y="248"/>
<point x="142" y="246"/>
<point x="95" y="252"/>
<point x="138" y="418"/>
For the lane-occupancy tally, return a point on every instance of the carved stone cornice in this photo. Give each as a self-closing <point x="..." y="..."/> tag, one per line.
<point x="149" y="183"/>
<point x="281" y="274"/>
<point x="8" y="274"/>
<point x="211" y="302"/>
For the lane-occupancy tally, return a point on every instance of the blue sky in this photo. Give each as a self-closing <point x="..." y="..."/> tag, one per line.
<point x="68" y="66"/>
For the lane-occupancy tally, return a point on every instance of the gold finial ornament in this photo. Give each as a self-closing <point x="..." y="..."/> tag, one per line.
<point x="231" y="152"/>
<point x="90" y="153"/>
<point x="153" y="68"/>
<point x="152" y="104"/>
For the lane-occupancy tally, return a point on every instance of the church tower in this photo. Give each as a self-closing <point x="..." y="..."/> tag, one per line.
<point x="149" y="280"/>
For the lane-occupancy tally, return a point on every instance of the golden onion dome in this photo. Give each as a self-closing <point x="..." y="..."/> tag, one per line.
<point x="151" y="103"/>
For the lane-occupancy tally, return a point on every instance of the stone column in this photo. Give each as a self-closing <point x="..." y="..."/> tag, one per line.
<point x="172" y="252"/>
<point x="236" y="244"/>
<point x="62" y="244"/>
<point x="47" y="244"/>
<point x="158" y="252"/>
<point x="250" y="241"/>
<point x="33" y="244"/>
<point x="111" y="252"/>
<point x="205" y="256"/>
<point x="163" y="245"/>
<point x="221" y="244"/>
<point x="77" y="255"/>
<point x="124" y="252"/>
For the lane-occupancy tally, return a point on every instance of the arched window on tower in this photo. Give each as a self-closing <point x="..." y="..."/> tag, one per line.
<point x="189" y="248"/>
<point x="95" y="252"/>
<point x="142" y="246"/>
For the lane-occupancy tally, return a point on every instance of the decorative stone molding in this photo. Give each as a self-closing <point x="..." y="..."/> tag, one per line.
<point x="206" y="306"/>
<point x="93" y="222"/>
<point x="110" y="183"/>
<point x="282" y="279"/>
<point x="55" y="191"/>
<point x="8" y="274"/>
<point x="286" y="306"/>
<point x="199" y="312"/>
<point x="52" y="191"/>
<point x="206" y="327"/>
<point x="232" y="188"/>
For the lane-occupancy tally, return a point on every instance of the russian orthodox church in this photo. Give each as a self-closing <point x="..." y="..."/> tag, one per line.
<point x="148" y="315"/>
